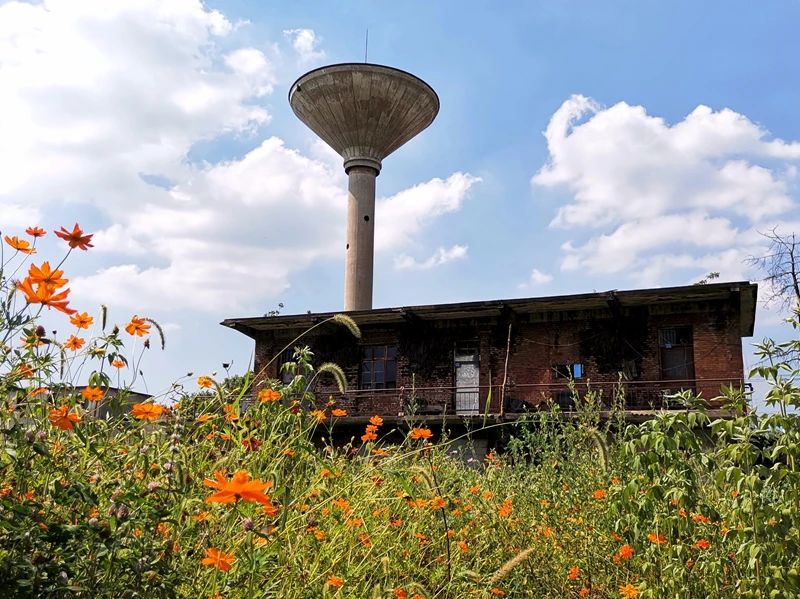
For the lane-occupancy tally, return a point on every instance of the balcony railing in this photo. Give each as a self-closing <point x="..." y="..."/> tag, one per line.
<point x="484" y="399"/>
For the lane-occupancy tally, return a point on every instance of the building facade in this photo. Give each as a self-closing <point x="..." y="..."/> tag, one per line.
<point x="507" y="357"/>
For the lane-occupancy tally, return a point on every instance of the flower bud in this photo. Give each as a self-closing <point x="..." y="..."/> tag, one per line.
<point x="247" y="524"/>
<point x="167" y="466"/>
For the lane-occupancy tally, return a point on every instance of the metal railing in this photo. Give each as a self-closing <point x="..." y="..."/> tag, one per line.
<point x="633" y="395"/>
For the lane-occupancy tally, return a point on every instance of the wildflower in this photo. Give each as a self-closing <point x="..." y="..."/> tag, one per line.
<point x="137" y="326"/>
<point x="488" y="495"/>
<point x="657" y="539"/>
<point x="380" y="452"/>
<point x="203" y="418"/>
<point x="268" y="395"/>
<point x="462" y="545"/>
<point x="395" y="522"/>
<point x="75" y="238"/>
<point x="74" y="343"/>
<point x="201" y="517"/>
<point x="251" y="443"/>
<point x="335" y="581"/>
<point x="239" y="487"/>
<point x="35" y="231"/>
<point x="45" y="296"/>
<point x="117" y="363"/>
<point x="231" y="413"/>
<point x="369" y="434"/>
<point x="494" y="591"/>
<point x="702" y="544"/>
<point x="600" y="494"/>
<point x="320" y="535"/>
<point x="475" y="489"/>
<point x="64" y="419"/>
<point x="338" y="412"/>
<point x="354" y="522"/>
<point x="342" y="504"/>
<point x="270" y="509"/>
<point x="289" y="452"/>
<point x="44" y="275"/>
<point x="92" y="393"/>
<point x="420" y="433"/>
<point x="701" y="519"/>
<point x="399" y="593"/>
<point x="505" y="509"/>
<point x="583" y="592"/>
<point x="205" y="382"/>
<point x="574" y="571"/>
<point x="629" y="591"/>
<point x="318" y="414"/>
<point x="216" y="558"/>
<point x="438" y="503"/>
<point x="162" y="530"/>
<point x="626" y="552"/>
<point x="147" y="411"/>
<point x="689" y="564"/>
<point x="21" y="245"/>
<point x="376" y="421"/>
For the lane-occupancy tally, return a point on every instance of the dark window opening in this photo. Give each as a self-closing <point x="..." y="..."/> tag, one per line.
<point x="379" y="367"/>
<point x="284" y="374"/>
<point x="569" y="371"/>
<point x="676" y="353"/>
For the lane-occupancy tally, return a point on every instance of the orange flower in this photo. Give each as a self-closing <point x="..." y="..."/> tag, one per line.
<point x="205" y="382"/>
<point x="201" y="517"/>
<point x="335" y="581"/>
<point x="230" y="412"/>
<point x="203" y="418"/>
<point x="82" y="321"/>
<point x="505" y="509"/>
<point x="702" y="544"/>
<point x="270" y="509"/>
<point x="45" y="296"/>
<point x="21" y="245"/>
<point x="338" y="412"/>
<point x="376" y="421"/>
<point x="626" y="552"/>
<point x="463" y="546"/>
<point x="75" y="238"/>
<point x="318" y="414"/>
<point x="74" y="343"/>
<point x="216" y="558"/>
<point x="496" y="592"/>
<point x="44" y="275"/>
<point x="658" y="539"/>
<point x="342" y="504"/>
<point x="239" y="487"/>
<point x="574" y="571"/>
<point x="35" y="231"/>
<point x="147" y="411"/>
<point x="628" y="591"/>
<point x="600" y="494"/>
<point x="701" y="519"/>
<point x="92" y="393"/>
<point x="117" y="363"/>
<point x="369" y="434"/>
<point x="583" y="592"/>
<point x="399" y="593"/>
<point x="64" y="419"/>
<point x="420" y="433"/>
<point x="267" y="395"/>
<point x="438" y="503"/>
<point x="137" y="326"/>
<point x="288" y="452"/>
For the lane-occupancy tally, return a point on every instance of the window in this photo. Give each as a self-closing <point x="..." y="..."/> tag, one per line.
<point x="379" y="367"/>
<point x="285" y="375"/>
<point x="569" y="371"/>
<point x="676" y="353"/>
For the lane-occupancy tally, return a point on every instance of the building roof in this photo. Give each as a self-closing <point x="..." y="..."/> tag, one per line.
<point x="743" y="293"/>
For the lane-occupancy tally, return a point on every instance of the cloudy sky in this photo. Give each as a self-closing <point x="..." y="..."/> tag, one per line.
<point x="579" y="147"/>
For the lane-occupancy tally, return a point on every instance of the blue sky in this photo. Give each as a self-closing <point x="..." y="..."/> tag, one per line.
<point x="580" y="146"/>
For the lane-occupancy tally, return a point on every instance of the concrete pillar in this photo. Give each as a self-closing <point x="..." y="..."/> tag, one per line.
<point x="360" y="237"/>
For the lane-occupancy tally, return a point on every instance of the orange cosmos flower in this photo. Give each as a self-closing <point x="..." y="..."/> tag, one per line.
<point x="338" y="412"/>
<point x="574" y="571"/>
<point x="230" y="412"/>
<point x="217" y="559"/>
<point x="702" y="544"/>
<point x="399" y="593"/>
<point x="21" y="245"/>
<point x="64" y="419"/>
<point x="335" y="581"/>
<point x="583" y="592"/>
<point x="44" y="275"/>
<point x="239" y="487"/>
<point x="658" y="539"/>
<point x="205" y="382"/>
<point x="420" y="433"/>
<point x="626" y="552"/>
<point x="438" y="503"/>
<point x="75" y="238"/>
<point x="35" y="231"/>
<point x="318" y="414"/>
<point x="117" y="363"/>
<point x="147" y="411"/>
<point x="92" y="393"/>
<point x="505" y="509"/>
<point x="203" y="418"/>
<point x="137" y="326"/>
<point x="376" y="421"/>
<point x="82" y="321"/>
<point x="494" y="591"/>
<point x="74" y="343"/>
<point x="701" y="519"/>
<point x="628" y="591"/>
<point x="45" y="296"/>
<point x="267" y="395"/>
<point x="288" y="452"/>
<point x="599" y="494"/>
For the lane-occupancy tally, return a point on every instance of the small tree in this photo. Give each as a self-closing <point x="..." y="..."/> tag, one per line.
<point x="781" y="264"/>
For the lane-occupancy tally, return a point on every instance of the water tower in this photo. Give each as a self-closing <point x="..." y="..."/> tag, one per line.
<point x="364" y="112"/>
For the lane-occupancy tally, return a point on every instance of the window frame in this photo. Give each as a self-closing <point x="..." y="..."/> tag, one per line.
<point x="380" y="378"/>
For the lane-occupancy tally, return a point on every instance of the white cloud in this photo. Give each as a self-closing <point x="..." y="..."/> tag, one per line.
<point x="306" y="44"/>
<point x="438" y="258"/>
<point x="102" y="104"/>
<point x="539" y="278"/>
<point x="686" y="196"/>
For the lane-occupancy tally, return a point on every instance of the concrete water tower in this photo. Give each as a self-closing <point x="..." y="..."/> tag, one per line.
<point x="364" y="112"/>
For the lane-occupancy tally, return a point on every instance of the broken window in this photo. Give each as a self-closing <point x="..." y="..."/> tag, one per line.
<point x="676" y="353"/>
<point x="379" y="367"/>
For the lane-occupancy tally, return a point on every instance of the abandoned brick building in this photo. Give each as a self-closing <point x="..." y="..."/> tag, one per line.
<point x="445" y="362"/>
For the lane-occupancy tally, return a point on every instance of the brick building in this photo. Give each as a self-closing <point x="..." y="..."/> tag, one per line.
<point x="502" y="358"/>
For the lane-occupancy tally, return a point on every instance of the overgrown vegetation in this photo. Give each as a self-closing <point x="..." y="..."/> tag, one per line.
<point x="204" y="499"/>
